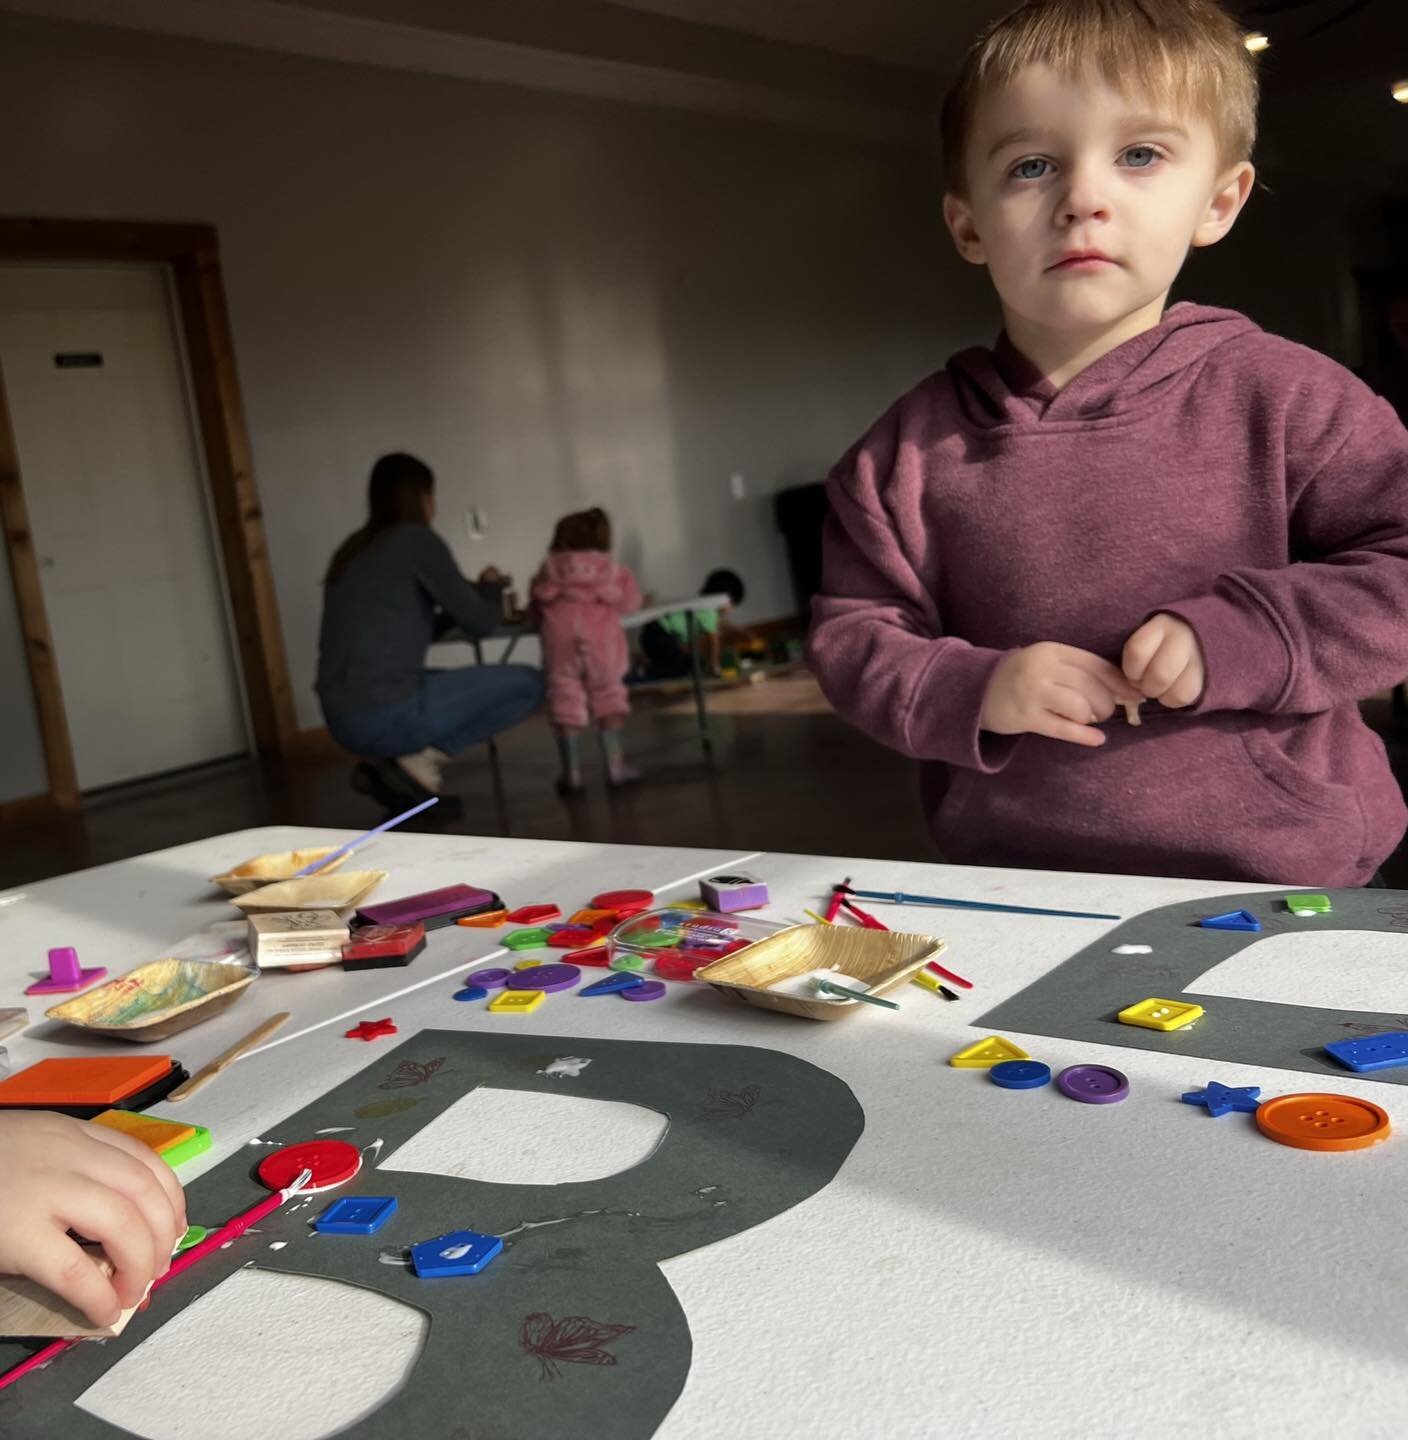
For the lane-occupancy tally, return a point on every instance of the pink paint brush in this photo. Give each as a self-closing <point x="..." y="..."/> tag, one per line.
<point x="230" y="1230"/>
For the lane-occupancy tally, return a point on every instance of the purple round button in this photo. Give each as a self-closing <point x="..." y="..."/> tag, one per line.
<point x="646" y="990"/>
<point x="545" y="977"/>
<point x="1092" y="1084"/>
<point x="490" y="979"/>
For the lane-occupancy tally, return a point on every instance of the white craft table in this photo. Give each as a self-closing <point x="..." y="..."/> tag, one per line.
<point x="124" y="914"/>
<point x="986" y="1263"/>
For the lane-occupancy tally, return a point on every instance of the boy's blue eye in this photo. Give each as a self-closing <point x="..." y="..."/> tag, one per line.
<point x="1140" y="157"/>
<point x="1030" y="169"/>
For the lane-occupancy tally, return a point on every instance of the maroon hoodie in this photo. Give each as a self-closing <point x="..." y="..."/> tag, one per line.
<point x="1205" y="469"/>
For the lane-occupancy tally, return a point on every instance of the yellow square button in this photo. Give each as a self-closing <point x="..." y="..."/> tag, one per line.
<point x="519" y="1002"/>
<point x="1156" y="1014"/>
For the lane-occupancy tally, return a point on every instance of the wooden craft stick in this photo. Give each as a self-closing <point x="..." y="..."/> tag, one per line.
<point x="203" y="1077"/>
<point x="27" y="1308"/>
<point x="341" y="850"/>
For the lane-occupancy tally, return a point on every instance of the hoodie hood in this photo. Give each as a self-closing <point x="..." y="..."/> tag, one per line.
<point x="1000" y="387"/>
<point x="580" y="575"/>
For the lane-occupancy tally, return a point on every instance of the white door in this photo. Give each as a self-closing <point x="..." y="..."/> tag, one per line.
<point x="112" y="476"/>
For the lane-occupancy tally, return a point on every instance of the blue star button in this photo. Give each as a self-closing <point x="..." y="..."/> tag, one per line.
<point x="1222" y="1099"/>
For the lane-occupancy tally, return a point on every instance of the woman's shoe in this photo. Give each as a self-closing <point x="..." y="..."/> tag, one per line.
<point x="388" y="784"/>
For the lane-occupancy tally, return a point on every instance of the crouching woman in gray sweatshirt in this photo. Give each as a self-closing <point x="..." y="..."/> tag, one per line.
<point x="392" y="589"/>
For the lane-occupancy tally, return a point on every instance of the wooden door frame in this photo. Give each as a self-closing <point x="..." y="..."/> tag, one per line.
<point x="192" y="254"/>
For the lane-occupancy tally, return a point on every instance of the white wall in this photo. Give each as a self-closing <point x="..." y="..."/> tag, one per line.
<point x="556" y="302"/>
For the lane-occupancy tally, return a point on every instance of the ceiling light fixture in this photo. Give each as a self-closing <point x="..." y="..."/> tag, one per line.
<point x="1256" y="42"/>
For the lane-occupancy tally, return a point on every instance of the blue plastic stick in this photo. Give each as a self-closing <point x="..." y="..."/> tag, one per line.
<point x="900" y="898"/>
<point x="829" y="987"/>
<point x="362" y="839"/>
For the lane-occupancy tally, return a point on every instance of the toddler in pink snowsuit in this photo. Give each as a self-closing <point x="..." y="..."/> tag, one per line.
<point x="579" y="595"/>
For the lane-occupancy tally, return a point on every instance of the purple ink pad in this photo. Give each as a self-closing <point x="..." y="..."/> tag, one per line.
<point x="646" y="990"/>
<point x="543" y="977"/>
<point x="1093" y="1084"/>
<point x="490" y="979"/>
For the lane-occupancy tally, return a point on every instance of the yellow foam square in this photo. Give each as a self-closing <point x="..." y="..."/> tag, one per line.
<point x="983" y="1053"/>
<point x="156" y="1135"/>
<point x="517" y="1002"/>
<point x="1156" y="1014"/>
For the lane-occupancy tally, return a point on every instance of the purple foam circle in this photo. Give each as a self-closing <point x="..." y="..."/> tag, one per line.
<point x="491" y="979"/>
<point x="1093" y="1084"/>
<point x="646" y="990"/>
<point x="545" y="977"/>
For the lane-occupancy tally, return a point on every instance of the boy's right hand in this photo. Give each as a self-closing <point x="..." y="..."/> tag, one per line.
<point x="59" y="1174"/>
<point x="1059" y="691"/>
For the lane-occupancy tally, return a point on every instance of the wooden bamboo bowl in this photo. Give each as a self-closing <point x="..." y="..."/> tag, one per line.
<point x="267" y="869"/>
<point x="881" y="960"/>
<point x="156" y="1000"/>
<point x="311" y="892"/>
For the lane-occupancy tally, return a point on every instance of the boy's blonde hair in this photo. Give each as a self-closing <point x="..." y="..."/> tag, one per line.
<point x="1187" y="53"/>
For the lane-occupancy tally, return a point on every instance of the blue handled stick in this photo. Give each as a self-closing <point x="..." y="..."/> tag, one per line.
<point x="898" y="897"/>
<point x="362" y="839"/>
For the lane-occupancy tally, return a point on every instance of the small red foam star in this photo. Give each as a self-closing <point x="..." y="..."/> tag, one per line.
<point x="371" y="1029"/>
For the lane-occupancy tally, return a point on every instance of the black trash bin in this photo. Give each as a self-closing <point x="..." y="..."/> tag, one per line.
<point x="801" y="512"/>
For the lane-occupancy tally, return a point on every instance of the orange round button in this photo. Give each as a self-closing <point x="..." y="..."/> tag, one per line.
<point x="1323" y="1122"/>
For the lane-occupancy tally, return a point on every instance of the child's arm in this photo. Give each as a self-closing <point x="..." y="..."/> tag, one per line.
<point x="878" y="648"/>
<point x="625" y="591"/>
<point x="58" y="1174"/>
<point x="542" y="591"/>
<point x="1332" y="625"/>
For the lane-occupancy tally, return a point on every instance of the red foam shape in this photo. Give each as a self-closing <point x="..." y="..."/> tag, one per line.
<point x="598" y="955"/>
<point x="570" y="937"/>
<point x="371" y="1030"/>
<point x="532" y="914"/>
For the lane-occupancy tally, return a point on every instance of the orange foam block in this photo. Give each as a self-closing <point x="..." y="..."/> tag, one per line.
<point x="490" y="920"/>
<point x="99" y="1080"/>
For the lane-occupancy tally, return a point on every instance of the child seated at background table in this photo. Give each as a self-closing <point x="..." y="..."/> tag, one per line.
<point x="578" y="596"/>
<point x="1121" y="503"/>
<point x="665" y="642"/>
<point x="58" y="1175"/>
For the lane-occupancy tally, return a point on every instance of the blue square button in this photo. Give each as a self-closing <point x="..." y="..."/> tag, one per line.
<point x="356" y="1215"/>
<point x="1372" y="1052"/>
<point x="461" y="1252"/>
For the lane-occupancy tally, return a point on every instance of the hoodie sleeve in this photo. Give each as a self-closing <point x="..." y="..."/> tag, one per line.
<point x="625" y="592"/>
<point x="877" y="645"/>
<point x="1331" y="627"/>
<point x="544" y="590"/>
<point x="438" y="575"/>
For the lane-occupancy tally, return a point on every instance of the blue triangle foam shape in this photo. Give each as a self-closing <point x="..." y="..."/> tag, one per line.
<point x="1232" y="920"/>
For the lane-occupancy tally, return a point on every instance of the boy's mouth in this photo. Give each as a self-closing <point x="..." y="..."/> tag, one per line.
<point x="1082" y="260"/>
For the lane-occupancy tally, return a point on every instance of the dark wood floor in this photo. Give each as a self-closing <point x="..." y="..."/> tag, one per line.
<point x="792" y="781"/>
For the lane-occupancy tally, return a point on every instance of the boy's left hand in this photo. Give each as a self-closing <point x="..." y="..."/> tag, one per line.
<point x="1164" y="661"/>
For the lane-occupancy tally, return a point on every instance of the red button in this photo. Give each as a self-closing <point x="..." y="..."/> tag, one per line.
<point x="624" y="902"/>
<point x="333" y="1162"/>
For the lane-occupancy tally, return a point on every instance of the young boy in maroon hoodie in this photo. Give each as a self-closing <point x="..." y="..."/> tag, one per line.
<point x="1123" y="503"/>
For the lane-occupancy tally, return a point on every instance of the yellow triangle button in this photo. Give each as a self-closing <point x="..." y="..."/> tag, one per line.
<point x="987" y="1052"/>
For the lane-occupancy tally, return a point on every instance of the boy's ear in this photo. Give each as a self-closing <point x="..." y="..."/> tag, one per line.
<point x="958" y="216"/>
<point x="1226" y="204"/>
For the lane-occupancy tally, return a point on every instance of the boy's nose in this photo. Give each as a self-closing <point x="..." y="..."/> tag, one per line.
<point x="1084" y="198"/>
